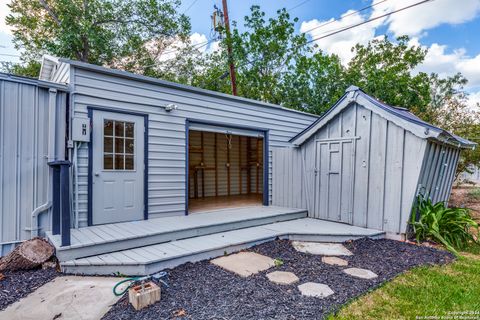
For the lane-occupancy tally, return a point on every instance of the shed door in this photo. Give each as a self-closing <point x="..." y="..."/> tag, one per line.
<point x="117" y="167"/>
<point x="334" y="180"/>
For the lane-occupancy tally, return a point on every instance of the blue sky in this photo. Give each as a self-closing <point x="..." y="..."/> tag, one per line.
<point x="448" y="28"/>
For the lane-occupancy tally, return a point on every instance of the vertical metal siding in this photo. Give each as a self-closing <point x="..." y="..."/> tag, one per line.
<point x="23" y="150"/>
<point x="167" y="130"/>
<point x="438" y="171"/>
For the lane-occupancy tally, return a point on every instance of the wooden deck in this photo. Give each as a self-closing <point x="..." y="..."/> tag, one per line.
<point x="106" y="238"/>
<point x="149" y="259"/>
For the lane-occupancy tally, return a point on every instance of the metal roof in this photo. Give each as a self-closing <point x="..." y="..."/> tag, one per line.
<point x="431" y="131"/>
<point x="33" y="81"/>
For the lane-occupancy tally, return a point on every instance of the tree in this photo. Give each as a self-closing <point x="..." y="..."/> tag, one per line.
<point x="274" y="64"/>
<point x="129" y="34"/>
<point x="30" y="68"/>
<point x="315" y="83"/>
<point x="264" y="53"/>
<point x="449" y="110"/>
<point x="385" y="70"/>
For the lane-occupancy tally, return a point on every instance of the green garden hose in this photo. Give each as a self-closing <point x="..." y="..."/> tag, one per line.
<point x="133" y="280"/>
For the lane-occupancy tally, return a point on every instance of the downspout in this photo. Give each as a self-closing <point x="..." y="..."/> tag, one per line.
<point x="52" y="115"/>
<point x="75" y="182"/>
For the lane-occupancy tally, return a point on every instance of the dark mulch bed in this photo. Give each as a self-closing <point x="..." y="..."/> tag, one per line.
<point x="204" y="291"/>
<point x="18" y="284"/>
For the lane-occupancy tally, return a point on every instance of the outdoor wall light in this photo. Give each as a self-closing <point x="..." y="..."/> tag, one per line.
<point x="170" y="107"/>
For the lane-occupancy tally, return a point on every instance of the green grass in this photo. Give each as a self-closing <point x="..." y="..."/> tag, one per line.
<point x="423" y="291"/>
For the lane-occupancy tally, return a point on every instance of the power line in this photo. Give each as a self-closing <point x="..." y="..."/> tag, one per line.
<point x="195" y="46"/>
<point x="9" y="55"/>
<point x="347" y="15"/>
<point x="298" y="5"/>
<point x="190" y="6"/>
<point x="367" y="21"/>
<point x="350" y="27"/>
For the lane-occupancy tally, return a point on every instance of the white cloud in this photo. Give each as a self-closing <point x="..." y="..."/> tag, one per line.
<point x="341" y="43"/>
<point x="4" y="12"/>
<point x="445" y="63"/>
<point x="474" y="100"/>
<point x="415" y="20"/>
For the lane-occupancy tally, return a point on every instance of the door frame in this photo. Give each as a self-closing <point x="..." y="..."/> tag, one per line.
<point x="91" y="110"/>
<point x="266" y="133"/>
<point x="340" y="141"/>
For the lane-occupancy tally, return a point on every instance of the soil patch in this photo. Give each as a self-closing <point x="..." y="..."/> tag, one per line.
<point x="204" y="291"/>
<point x="464" y="197"/>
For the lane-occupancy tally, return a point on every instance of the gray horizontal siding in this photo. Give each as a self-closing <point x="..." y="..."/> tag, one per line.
<point x="167" y="130"/>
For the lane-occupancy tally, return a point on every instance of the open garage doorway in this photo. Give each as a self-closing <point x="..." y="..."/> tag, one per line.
<point x="225" y="168"/>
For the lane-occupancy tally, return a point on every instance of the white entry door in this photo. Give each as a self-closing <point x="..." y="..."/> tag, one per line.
<point x="117" y="167"/>
<point x="334" y="180"/>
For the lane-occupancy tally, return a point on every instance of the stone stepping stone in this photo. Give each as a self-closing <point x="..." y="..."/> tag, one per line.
<point x="318" y="290"/>
<point x="334" y="261"/>
<point x="360" y="273"/>
<point x="244" y="263"/>
<point x="282" y="277"/>
<point x="323" y="249"/>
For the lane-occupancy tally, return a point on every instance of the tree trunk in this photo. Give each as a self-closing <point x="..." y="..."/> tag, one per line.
<point x="30" y="254"/>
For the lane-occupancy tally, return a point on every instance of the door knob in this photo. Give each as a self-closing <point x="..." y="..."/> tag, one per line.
<point x="97" y="174"/>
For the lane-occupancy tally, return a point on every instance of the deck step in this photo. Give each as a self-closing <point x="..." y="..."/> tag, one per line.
<point x="102" y="239"/>
<point x="152" y="258"/>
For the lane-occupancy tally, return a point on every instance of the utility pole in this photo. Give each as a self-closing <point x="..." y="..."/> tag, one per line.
<point x="233" y="78"/>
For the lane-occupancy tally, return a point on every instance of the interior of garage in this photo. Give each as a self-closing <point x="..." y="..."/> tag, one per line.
<point x="225" y="170"/>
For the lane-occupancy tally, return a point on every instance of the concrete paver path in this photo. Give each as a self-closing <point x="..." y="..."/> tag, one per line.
<point x="244" y="263"/>
<point x="323" y="249"/>
<point x="282" y="277"/>
<point x="318" y="290"/>
<point x="67" y="297"/>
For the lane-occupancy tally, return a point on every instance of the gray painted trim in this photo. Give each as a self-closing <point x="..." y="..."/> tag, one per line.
<point x="32" y="81"/>
<point x="168" y="84"/>
<point x="187" y="155"/>
<point x="90" y="160"/>
<point x="416" y="126"/>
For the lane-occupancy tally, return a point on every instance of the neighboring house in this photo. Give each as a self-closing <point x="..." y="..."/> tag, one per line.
<point x="142" y="148"/>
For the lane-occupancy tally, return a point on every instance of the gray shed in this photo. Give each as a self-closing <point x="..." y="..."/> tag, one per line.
<point x="87" y="152"/>
<point x="363" y="163"/>
<point x="139" y="148"/>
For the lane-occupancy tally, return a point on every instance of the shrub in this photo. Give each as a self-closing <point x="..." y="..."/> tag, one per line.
<point x="451" y="227"/>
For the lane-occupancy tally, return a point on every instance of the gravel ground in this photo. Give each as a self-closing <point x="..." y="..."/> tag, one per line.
<point x="18" y="284"/>
<point x="205" y="291"/>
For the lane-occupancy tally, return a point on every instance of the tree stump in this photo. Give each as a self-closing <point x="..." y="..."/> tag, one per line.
<point x="30" y="254"/>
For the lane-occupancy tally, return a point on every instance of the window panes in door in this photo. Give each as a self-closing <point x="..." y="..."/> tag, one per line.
<point x="118" y="145"/>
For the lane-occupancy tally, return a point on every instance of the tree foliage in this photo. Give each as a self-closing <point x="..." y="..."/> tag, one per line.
<point x="274" y="63"/>
<point x="384" y="69"/>
<point x="124" y="33"/>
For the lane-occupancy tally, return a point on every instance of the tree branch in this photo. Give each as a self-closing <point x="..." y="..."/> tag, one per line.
<point x="50" y="11"/>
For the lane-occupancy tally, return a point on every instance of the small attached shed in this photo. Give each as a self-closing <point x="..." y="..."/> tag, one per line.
<point x="363" y="163"/>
